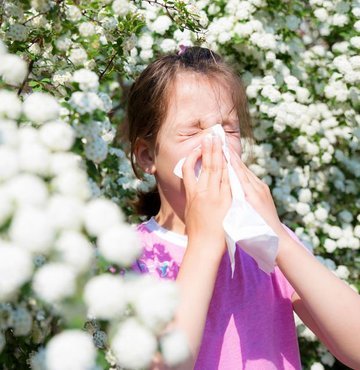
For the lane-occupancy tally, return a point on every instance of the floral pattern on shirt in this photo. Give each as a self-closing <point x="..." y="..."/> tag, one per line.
<point x="158" y="260"/>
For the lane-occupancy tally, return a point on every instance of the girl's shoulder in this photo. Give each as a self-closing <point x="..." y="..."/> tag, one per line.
<point x="142" y="227"/>
<point x="161" y="254"/>
<point x="145" y="230"/>
<point x="151" y="230"/>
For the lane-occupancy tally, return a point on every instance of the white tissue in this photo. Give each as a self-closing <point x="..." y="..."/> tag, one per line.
<point x="242" y="223"/>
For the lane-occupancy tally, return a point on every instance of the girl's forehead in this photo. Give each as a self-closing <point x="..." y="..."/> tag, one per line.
<point x="191" y="91"/>
<point x="198" y="97"/>
<point x="188" y="84"/>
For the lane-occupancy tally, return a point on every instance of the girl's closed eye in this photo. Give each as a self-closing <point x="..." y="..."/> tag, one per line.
<point x="191" y="132"/>
<point x="232" y="130"/>
<point x="231" y="127"/>
<point x="229" y="131"/>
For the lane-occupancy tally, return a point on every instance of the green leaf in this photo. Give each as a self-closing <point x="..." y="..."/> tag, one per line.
<point x="33" y="83"/>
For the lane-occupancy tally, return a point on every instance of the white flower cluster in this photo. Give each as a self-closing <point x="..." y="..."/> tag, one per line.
<point x="78" y="56"/>
<point x="157" y="26"/>
<point x="40" y="219"/>
<point x="37" y="220"/>
<point x="13" y="69"/>
<point x="40" y="107"/>
<point x="18" y="32"/>
<point x="87" y="80"/>
<point x="19" y="319"/>
<point x="333" y="14"/>
<point x="126" y="178"/>
<point x="86" y="102"/>
<point x="15" y="269"/>
<point x="61" y="353"/>
<point x="121" y="7"/>
<point x="49" y="221"/>
<point x="95" y="134"/>
<point x="134" y="343"/>
<point x="87" y="29"/>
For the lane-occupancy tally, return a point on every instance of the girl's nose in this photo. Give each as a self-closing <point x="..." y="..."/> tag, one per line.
<point x="210" y="130"/>
<point x="217" y="130"/>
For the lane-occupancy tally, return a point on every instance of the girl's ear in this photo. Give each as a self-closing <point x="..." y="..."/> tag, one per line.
<point x="144" y="156"/>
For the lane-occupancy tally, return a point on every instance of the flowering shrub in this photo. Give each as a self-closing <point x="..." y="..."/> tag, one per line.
<point x="51" y="276"/>
<point x="57" y="290"/>
<point x="65" y="68"/>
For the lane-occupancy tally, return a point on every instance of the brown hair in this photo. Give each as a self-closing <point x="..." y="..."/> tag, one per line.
<point x="148" y="98"/>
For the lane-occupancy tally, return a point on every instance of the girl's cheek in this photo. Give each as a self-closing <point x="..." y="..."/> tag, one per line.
<point x="191" y="143"/>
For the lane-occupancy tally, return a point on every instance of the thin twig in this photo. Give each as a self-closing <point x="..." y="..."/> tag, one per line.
<point x="84" y="13"/>
<point x="35" y="16"/>
<point x="31" y="65"/>
<point x="107" y="67"/>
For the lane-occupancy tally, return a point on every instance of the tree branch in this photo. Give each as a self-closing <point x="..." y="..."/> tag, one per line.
<point x="31" y="65"/>
<point x="107" y="67"/>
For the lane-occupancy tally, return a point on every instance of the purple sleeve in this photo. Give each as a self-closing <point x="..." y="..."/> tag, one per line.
<point x="136" y="267"/>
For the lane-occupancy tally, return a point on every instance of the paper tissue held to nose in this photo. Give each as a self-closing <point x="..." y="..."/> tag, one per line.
<point x="242" y="224"/>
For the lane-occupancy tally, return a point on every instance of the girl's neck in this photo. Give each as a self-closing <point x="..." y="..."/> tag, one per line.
<point x="169" y="220"/>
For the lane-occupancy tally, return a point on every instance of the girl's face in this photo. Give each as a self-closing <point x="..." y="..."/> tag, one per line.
<point x="195" y="105"/>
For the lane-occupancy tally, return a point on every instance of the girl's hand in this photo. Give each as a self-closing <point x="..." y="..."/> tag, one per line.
<point x="208" y="198"/>
<point x="257" y="193"/>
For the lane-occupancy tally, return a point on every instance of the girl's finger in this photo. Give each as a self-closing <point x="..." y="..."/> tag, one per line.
<point x="225" y="182"/>
<point x="246" y="178"/>
<point x="251" y="176"/>
<point x="216" y="165"/>
<point x="188" y="170"/>
<point x="234" y="160"/>
<point x="240" y="167"/>
<point x="206" y="150"/>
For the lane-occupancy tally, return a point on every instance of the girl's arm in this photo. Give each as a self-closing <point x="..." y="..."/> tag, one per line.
<point x="196" y="280"/>
<point x="325" y="303"/>
<point x="329" y="307"/>
<point x="207" y="202"/>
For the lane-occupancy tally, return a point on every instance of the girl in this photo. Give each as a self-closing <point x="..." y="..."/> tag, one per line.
<point x="244" y="322"/>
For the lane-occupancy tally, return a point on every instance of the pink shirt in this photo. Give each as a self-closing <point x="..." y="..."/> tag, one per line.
<point x="250" y="322"/>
